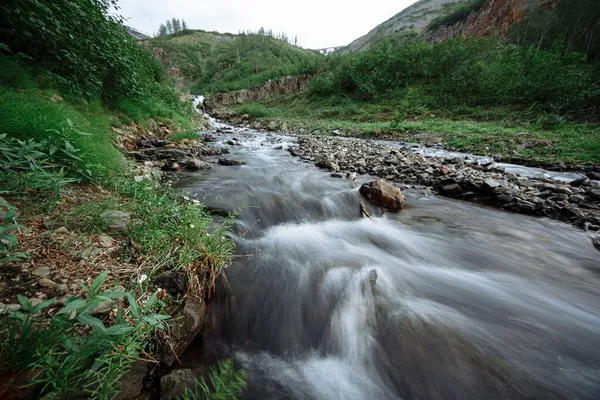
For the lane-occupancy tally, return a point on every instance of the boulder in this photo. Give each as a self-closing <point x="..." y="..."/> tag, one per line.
<point x="184" y="326"/>
<point x="174" y="384"/>
<point x="383" y="194"/>
<point x="194" y="164"/>
<point x="225" y="161"/>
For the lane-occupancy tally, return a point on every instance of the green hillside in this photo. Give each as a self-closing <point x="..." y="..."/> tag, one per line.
<point x="209" y="62"/>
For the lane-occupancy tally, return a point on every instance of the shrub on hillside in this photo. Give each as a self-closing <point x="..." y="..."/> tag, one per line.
<point x="85" y="46"/>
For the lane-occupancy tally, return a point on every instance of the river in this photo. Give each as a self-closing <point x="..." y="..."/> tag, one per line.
<point x="442" y="300"/>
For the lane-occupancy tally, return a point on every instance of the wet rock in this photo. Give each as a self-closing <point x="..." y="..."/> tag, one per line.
<point x="451" y="189"/>
<point x="594" y="194"/>
<point x="576" y="199"/>
<point x="174" y="282"/>
<point x="596" y="242"/>
<point x="174" y="383"/>
<point x="278" y="147"/>
<point x="185" y="325"/>
<point x="579" y="182"/>
<point x="193" y="164"/>
<point x="227" y="162"/>
<point x="132" y="383"/>
<point x="117" y="221"/>
<point x="383" y="194"/>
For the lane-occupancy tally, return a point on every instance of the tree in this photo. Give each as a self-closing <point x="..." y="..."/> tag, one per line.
<point x="184" y="25"/>
<point x="176" y="25"/>
<point x="169" y="26"/>
<point x="162" y="30"/>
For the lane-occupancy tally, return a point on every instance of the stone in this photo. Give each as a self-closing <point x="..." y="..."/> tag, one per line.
<point x="132" y="383"/>
<point x="34" y="301"/>
<point x="383" y="194"/>
<point x="105" y="241"/>
<point x="185" y="324"/>
<point x="596" y="242"/>
<point x="490" y="184"/>
<point x="579" y="181"/>
<point x="174" y="383"/>
<point x="47" y="283"/>
<point x="594" y="194"/>
<point x="9" y="308"/>
<point x="193" y="164"/>
<point x="451" y="189"/>
<point x="61" y="231"/>
<point x="576" y="199"/>
<point x="174" y="282"/>
<point x="63" y="288"/>
<point x="42" y="271"/>
<point x="116" y="220"/>
<point x="227" y="162"/>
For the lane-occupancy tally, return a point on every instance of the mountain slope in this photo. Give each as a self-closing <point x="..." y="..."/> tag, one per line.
<point x="209" y="62"/>
<point x="411" y="20"/>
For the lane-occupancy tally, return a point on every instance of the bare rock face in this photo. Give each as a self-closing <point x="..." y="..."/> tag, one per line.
<point x="383" y="194"/>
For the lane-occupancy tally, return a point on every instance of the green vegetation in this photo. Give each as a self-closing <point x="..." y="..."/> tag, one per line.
<point x="505" y="130"/>
<point x="171" y="234"/>
<point x="479" y="95"/>
<point x="73" y="82"/>
<point x="472" y="72"/>
<point x="212" y="62"/>
<point x="225" y="383"/>
<point x="77" y="353"/>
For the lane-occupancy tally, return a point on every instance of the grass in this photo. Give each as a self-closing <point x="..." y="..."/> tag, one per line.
<point x="178" y="137"/>
<point x="507" y="131"/>
<point x="208" y="63"/>
<point x="32" y="115"/>
<point x="225" y="383"/>
<point x="172" y="234"/>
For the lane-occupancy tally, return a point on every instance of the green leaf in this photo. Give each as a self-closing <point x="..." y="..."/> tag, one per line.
<point x="119" y="329"/>
<point x="72" y="306"/>
<point x="91" y="321"/>
<point x="24" y="302"/>
<point x="151" y="301"/>
<point x="133" y="305"/>
<point x="42" y="305"/>
<point x="98" y="282"/>
<point x="113" y="295"/>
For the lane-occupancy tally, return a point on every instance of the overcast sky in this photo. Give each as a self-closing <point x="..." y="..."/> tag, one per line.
<point x="318" y="23"/>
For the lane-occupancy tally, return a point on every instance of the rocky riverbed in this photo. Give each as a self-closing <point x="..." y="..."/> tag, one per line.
<point x="577" y="202"/>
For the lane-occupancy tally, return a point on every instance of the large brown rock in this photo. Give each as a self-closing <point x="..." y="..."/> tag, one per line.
<point x="383" y="194"/>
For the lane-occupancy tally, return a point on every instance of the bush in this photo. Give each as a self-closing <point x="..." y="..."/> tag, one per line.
<point x="84" y="45"/>
<point x="472" y="72"/>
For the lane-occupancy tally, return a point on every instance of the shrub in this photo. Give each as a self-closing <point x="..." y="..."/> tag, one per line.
<point x="257" y="110"/>
<point x="77" y="353"/>
<point x="225" y="383"/>
<point x="84" y="45"/>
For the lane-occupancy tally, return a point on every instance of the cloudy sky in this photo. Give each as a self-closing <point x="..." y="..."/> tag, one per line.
<point x="318" y="23"/>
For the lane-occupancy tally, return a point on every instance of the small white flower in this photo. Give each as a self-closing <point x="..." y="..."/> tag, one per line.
<point x="192" y="226"/>
<point x="142" y="278"/>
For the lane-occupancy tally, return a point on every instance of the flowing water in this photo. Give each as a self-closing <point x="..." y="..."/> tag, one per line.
<point x="443" y="300"/>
